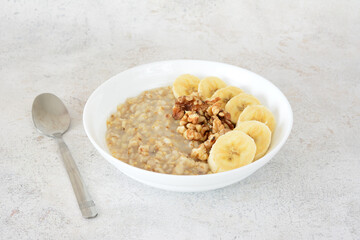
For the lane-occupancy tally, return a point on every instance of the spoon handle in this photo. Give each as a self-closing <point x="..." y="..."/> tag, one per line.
<point x="86" y="204"/>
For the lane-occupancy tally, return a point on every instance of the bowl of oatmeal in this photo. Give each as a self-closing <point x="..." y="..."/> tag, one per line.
<point x="173" y="136"/>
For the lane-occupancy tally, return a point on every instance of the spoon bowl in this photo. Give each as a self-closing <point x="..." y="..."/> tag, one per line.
<point x="50" y="115"/>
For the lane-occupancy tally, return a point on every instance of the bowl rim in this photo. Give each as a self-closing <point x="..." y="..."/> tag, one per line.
<point x="260" y="161"/>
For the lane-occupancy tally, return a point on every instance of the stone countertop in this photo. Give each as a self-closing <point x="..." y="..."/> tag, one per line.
<point x="310" y="50"/>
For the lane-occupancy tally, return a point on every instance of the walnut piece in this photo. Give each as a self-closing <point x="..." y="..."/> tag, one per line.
<point x="200" y="153"/>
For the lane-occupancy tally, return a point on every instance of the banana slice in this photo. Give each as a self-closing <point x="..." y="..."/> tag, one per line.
<point x="209" y="85"/>
<point x="231" y="150"/>
<point x="226" y="93"/>
<point x="260" y="133"/>
<point x="258" y="113"/>
<point x="185" y="85"/>
<point x="238" y="103"/>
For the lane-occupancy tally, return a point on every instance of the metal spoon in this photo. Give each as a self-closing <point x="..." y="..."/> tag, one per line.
<point x="51" y="117"/>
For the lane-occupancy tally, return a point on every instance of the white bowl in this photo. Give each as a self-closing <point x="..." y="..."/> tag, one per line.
<point x="104" y="100"/>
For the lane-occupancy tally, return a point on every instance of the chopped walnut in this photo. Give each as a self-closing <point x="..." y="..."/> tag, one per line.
<point x="200" y="153"/>
<point x="202" y="121"/>
<point x="193" y="118"/>
<point x="190" y="126"/>
<point x="214" y="109"/>
<point x="210" y="141"/>
<point x="181" y="129"/>
<point x="191" y="103"/>
<point x="177" y="113"/>
<point x="191" y="134"/>
<point x="217" y="125"/>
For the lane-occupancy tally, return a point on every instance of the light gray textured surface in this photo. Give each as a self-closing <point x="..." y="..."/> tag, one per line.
<point x="310" y="50"/>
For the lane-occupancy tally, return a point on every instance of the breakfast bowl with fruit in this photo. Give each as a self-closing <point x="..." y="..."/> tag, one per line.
<point x="187" y="125"/>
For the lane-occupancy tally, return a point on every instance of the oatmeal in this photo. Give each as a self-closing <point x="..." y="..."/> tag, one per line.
<point x="144" y="134"/>
<point x="210" y="127"/>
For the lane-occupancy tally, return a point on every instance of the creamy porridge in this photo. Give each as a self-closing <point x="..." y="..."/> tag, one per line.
<point x="144" y="134"/>
<point x="208" y="128"/>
